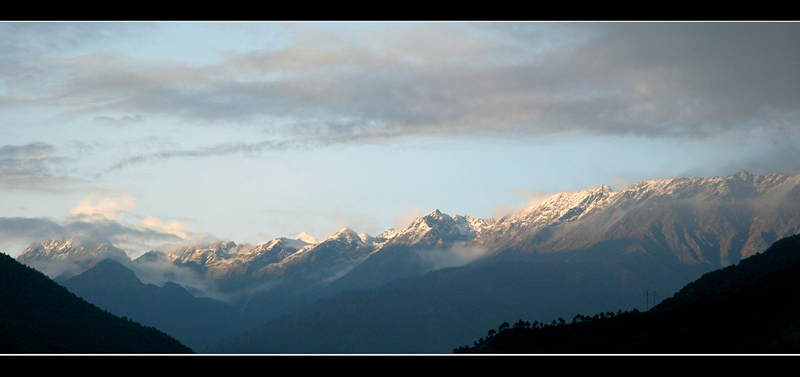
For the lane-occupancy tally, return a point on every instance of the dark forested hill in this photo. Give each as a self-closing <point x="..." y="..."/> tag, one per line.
<point x="39" y="316"/>
<point x="749" y="308"/>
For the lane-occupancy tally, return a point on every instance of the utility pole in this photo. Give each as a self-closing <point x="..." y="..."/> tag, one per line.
<point x="647" y="298"/>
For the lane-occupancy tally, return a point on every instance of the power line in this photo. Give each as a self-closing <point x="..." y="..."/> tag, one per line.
<point x="647" y="297"/>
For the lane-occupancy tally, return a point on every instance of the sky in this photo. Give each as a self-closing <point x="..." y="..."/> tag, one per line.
<point x="156" y="134"/>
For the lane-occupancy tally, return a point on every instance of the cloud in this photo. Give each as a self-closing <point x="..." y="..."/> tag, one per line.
<point x="123" y="121"/>
<point x="32" y="166"/>
<point x="16" y="233"/>
<point x="103" y="205"/>
<point x="157" y="225"/>
<point x="454" y="256"/>
<point x="656" y="79"/>
<point x="26" y="38"/>
<point x="529" y="198"/>
<point x="220" y="149"/>
<point x="358" y="222"/>
<point x="619" y="182"/>
<point x="98" y="218"/>
<point x="405" y="220"/>
<point x="330" y="84"/>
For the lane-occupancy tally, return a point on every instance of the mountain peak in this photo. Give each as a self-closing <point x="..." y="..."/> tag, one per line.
<point x="347" y="235"/>
<point x="603" y="188"/>
<point x="366" y="238"/>
<point x="307" y="238"/>
<point x="743" y="174"/>
<point x="62" y="248"/>
<point x="78" y="253"/>
<point x="346" y="230"/>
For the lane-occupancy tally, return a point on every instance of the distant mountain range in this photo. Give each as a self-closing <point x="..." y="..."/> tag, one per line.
<point x="450" y="277"/>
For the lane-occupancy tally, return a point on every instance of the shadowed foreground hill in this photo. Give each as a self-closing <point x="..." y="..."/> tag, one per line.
<point x="750" y="308"/>
<point x="39" y="316"/>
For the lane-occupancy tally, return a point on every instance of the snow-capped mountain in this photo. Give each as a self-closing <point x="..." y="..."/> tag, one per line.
<point x="224" y="255"/>
<point x="389" y="234"/>
<point x="342" y="242"/>
<point x="209" y="255"/>
<point x="658" y="233"/>
<point x="612" y="243"/>
<point x="701" y="216"/>
<point x="307" y="238"/>
<point x="714" y="221"/>
<point x="437" y="229"/>
<point x="65" y="257"/>
<point x="69" y="249"/>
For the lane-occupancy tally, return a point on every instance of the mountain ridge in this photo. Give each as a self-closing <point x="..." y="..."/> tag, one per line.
<point x="698" y="220"/>
<point x="657" y="234"/>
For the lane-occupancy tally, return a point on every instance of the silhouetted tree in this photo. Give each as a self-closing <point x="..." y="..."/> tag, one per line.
<point x="503" y="326"/>
<point x="521" y="324"/>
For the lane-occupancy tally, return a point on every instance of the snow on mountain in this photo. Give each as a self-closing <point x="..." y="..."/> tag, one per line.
<point x="63" y="248"/>
<point x="343" y="240"/>
<point x="739" y="186"/>
<point x="389" y="233"/>
<point x="205" y="255"/>
<point x="346" y="236"/>
<point x="685" y="215"/>
<point x="278" y="249"/>
<point x="65" y="257"/>
<point x="317" y="265"/>
<point x="438" y="229"/>
<point x="564" y="221"/>
<point x="366" y="238"/>
<point x="571" y="206"/>
<point x="559" y="208"/>
<point x="305" y="237"/>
